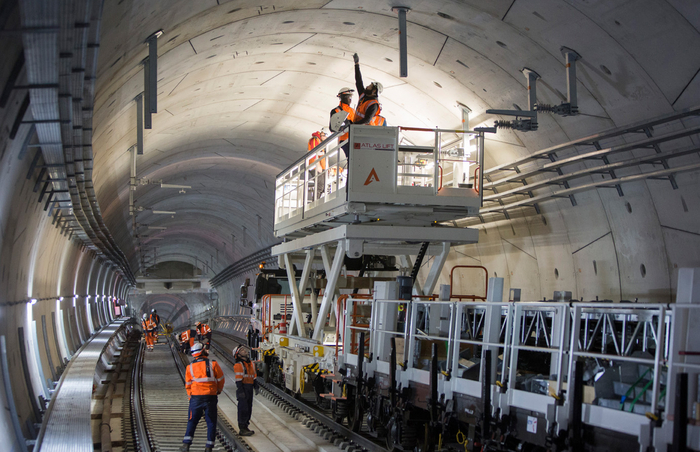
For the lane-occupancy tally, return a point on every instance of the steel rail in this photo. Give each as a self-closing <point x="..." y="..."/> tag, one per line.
<point x="301" y="407"/>
<point x="141" y="437"/>
<point x="226" y="435"/>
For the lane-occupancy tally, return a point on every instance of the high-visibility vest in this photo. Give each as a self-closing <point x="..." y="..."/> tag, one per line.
<point x="364" y="105"/>
<point x="150" y="325"/>
<point x="203" y="329"/>
<point x="186" y="336"/>
<point x="351" y="117"/>
<point x="204" y="377"/>
<point x="155" y="318"/>
<point x="245" y="372"/>
<point x="377" y="120"/>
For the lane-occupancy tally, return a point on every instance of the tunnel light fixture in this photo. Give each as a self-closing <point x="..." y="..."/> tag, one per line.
<point x="163" y="212"/>
<point x="74" y="298"/>
<point x="160" y="228"/>
<point x="162" y="185"/>
<point x="60" y="298"/>
<point x="33" y="301"/>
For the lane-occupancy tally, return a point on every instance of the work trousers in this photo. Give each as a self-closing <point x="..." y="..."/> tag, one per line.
<point x="244" y="395"/>
<point x="202" y="405"/>
<point x="150" y="338"/>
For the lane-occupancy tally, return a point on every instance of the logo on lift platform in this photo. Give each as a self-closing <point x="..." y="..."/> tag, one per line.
<point x="372" y="177"/>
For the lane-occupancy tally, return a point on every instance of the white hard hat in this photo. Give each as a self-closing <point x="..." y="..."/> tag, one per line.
<point x="197" y="349"/>
<point x="345" y="90"/>
<point x="239" y="349"/>
<point x="379" y="86"/>
<point x="144" y="316"/>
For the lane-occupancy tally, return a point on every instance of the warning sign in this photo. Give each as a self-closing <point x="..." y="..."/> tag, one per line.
<point x="532" y="424"/>
<point x="372" y="177"/>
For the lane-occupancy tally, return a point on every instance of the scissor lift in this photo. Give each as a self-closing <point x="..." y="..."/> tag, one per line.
<point x="390" y="197"/>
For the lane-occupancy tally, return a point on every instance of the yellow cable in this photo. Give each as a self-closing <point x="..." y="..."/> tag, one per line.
<point x="463" y="440"/>
<point x="301" y="380"/>
<point x="440" y="442"/>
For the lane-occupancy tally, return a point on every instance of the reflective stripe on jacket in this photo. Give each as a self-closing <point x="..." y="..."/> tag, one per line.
<point x="150" y="325"/>
<point x="204" y="377"/>
<point x="186" y="336"/>
<point x="245" y="372"/>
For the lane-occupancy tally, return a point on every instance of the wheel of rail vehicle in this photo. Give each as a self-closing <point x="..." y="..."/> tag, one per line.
<point x="355" y="415"/>
<point x="400" y="436"/>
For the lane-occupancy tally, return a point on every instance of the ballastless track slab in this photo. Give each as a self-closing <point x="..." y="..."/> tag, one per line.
<point x="165" y="406"/>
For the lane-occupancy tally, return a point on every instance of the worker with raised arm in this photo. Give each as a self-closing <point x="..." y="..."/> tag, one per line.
<point x="187" y="340"/>
<point x="345" y="95"/>
<point x="368" y="105"/>
<point x="203" y="334"/>
<point x="204" y="381"/>
<point x="244" y="369"/>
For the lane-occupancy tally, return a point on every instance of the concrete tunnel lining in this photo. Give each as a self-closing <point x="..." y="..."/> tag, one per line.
<point x="232" y="145"/>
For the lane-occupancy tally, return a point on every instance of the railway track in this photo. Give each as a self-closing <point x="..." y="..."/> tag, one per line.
<point x="159" y="406"/>
<point x="308" y="415"/>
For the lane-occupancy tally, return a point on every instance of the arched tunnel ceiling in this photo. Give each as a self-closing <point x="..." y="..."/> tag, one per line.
<point x="242" y="85"/>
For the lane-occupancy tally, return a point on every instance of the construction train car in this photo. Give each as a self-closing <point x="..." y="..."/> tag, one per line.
<point x="363" y="330"/>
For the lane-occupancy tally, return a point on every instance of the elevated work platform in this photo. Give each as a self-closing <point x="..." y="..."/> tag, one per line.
<point x="386" y="180"/>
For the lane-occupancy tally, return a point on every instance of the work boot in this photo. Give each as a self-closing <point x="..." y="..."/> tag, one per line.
<point x="207" y="449"/>
<point x="185" y="448"/>
<point x="245" y="431"/>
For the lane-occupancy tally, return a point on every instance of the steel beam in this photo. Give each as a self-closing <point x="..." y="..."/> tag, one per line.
<point x="435" y="269"/>
<point x="329" y="291"/>
<point x="139" y="124"/>
<point x="403" y="40"/>
<point x="298" y="291"/>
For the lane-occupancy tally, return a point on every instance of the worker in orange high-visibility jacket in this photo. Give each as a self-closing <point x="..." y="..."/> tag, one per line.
<point x="368" y="105"/>
<point x="156" y="319"/>
<point x="345" y="95"/>
<point x="203" y="334"/>
<point x="144" y="328"/>
<point x="204" y="381"/>
<point x="150" y="329"/>
<point x="244" y="370"/>
<point x="187" y="340"/>
<point x="316" y="139"/>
